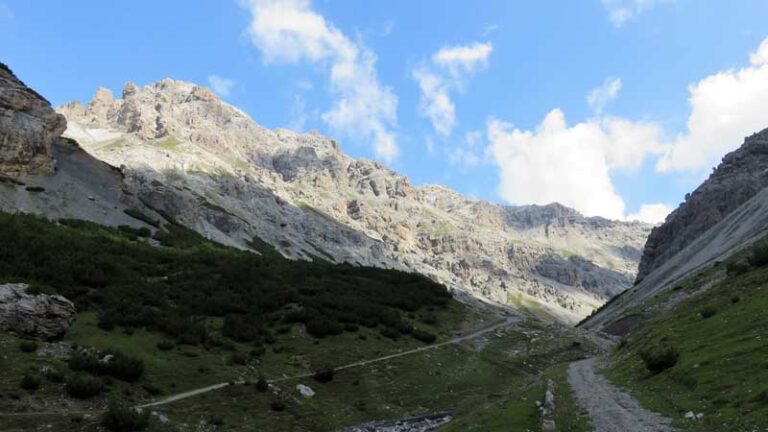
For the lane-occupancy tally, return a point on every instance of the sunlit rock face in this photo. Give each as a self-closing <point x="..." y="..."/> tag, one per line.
<point x="206" y="164"/>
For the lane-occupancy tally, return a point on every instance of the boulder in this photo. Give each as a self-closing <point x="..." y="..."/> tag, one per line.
<point x="305" y="391"/>
<point x="41" y="316"/>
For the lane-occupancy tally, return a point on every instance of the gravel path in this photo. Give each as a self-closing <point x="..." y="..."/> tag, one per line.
<point x="610" y="408"/>
<point x="467" y="336"/>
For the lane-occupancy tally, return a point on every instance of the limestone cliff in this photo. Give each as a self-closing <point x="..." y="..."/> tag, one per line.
<point x="740" y="176"/>
<point x="28" y="127"/>
<point x="204" y="163"/>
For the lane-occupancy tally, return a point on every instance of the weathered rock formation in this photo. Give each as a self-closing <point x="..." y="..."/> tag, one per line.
<point x="740" y="176"/>
<point x="187" y="155"/>
<point x="43" y="317"/>
<point x="28" y="127"/>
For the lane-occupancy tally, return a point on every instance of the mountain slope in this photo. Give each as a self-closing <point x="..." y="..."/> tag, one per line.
<point x="206" y="164"/>
<point x="740" y="176"/>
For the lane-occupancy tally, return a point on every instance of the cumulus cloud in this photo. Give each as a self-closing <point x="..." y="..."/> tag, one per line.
<point x="570" y="165"/>
<point x="290" y="31"/>
<point x="725" y="107"/>
<point x="621" y="11"/>
<point x="468" y="153"/>
<point x="447" y="71"/>
<point x="221" y="86"/>
<point x="601" y="95"/>
<point x="462" y="59"/>
<point x="651" y="213"/>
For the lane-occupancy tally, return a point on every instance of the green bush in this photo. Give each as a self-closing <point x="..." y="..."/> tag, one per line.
<point x="737" y="268"/>
<point x="30" y="382"/>
<point x="238" y="358"/>
<point x="262" y="385"/>
<point x="277" y="406"/>
<point x="35" y="189"/>
<point x="166" y="345"/>
<point x="759" y="255"/>
<point x="390" y="332"/>
<point x="53" y="375"/>
<point x="660" y="359"/>
<point x="423" y="336"/>
<point x="81" y="386"/>
<point x="28" y="346"/>
<point x="323" y="375"/>
<point x="110" y="362"/>
<point x="708" y="312"/>
<point x="121" y="417"/>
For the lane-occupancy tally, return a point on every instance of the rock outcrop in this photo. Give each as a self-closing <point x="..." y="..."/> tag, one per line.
<point x="28" y="128"/>
<point x="43" y="317"/>
<point x="740" y="176"/>
<point x="190" y="156"/>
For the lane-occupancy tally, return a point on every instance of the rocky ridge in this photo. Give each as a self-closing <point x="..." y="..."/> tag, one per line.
<point x="740" y="176"/>
<point x="28" y="127"/>
<point x="186" y="154"/>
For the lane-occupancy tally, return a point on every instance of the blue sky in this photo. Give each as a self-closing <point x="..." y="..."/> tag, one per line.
<point x="455" y="92"/>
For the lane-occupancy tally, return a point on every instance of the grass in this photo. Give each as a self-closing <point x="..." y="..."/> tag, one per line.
<point x="169" y="143"/>
<point x="722" y="369"/>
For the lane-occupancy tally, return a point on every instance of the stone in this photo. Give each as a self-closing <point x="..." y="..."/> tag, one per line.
<point x="305" y="391"/>
<point x="548" y="426"/>
<point x="41" y="316"/>
<point x="28" y="128"/>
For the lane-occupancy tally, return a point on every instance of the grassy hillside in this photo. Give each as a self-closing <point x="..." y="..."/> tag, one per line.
<point x="181" y="313"/>
<point x="714" y="345"/>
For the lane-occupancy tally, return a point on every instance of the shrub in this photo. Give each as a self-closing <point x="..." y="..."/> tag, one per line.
<point x="262" y="385"/>
<point x="351" y="327"/>
<point x="423" y="336"/>
<point x="111" y="362"/>
<point x="30" y="382"/>
<point x="215" y="420"/>
<point x="53" y="375"/>
<point x="737" y="268"/>
<point x="121" y="417"/>
<point x="28" y="346"/>
<point x="277" y="406"/>
<point x="152" y="389"/>
<point x="735" y="299"/>
<point x="321" y="327"/>
<point x="390" y="332"/>
<point x="323" y="375"/>
<point x="35" y="189"/>
<point x="166" y="345"/>
<point x="238" y="359"/>
<point x="708" y="312"/>
<point x="429" y="318"/>
<point x="660" y="359"/>
<point x="759" y="255"/>
<point x="82" y="386"/>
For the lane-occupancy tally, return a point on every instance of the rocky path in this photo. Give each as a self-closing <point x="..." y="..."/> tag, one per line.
<point x="610" y="408"/>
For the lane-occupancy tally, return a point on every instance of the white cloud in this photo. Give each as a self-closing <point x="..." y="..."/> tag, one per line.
<point x="221" y="86"/>
<point x="461" y="59"/>
<point x="621" y="11"/>
<point x="725" y="107"/>
<point x="450" y="66"/>
<point x="601" y="95"/>
<point x="569" y="165"/>
<point x="298" y="114"/>
<point x="435" y="103"/>
<point x="469" y="153"/>
<point x="651" y="213"/>
<point x="290" y="31"/>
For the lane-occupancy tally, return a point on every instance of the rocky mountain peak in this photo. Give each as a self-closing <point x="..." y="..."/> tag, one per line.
<point x="28" y="128"/>
<point x="739" y="177"/>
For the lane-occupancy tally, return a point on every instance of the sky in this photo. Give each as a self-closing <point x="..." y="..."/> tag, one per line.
<point x="617" y="108"/>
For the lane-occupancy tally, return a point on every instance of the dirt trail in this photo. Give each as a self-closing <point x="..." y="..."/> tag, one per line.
<point x="610" y="408"/>
<point x="471" y="335"/>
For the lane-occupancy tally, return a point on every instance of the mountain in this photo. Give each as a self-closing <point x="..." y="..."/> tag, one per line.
<point x="739" y="177"/>
<point x="723" y="216"/>
<point x="188" y="156"/>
